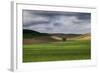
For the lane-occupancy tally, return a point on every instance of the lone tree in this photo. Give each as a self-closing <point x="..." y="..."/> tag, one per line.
<point x="63" y="38"/>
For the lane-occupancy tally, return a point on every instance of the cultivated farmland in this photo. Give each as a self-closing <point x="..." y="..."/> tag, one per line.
<point x="50" y="49"/>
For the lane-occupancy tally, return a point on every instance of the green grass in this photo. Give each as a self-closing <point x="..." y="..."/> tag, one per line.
<point x="57" y="51"/>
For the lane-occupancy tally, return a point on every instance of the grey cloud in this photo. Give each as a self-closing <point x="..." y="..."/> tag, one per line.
<point x="57" y="22"/>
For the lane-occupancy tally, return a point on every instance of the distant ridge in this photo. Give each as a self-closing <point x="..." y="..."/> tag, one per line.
<point x="31" y="36"/>
<point x="30" y="33"/>
<point x="86" y="36"/>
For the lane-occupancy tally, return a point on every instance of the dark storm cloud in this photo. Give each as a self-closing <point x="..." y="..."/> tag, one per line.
<point x="35" y="23"/>
<point x="56" y="22"/>
<point x="84" y="15"/>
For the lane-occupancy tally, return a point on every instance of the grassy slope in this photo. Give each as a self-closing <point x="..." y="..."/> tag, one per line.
<point x="69" y="50"/>
<point x="30" y="34"/>
<point x="81" y="37"/>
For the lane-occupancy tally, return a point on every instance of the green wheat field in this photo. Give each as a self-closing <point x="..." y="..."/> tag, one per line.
<point x="57" y="51"/>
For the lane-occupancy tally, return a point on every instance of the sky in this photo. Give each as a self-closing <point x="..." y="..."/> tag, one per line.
<point x="57" y="21"/>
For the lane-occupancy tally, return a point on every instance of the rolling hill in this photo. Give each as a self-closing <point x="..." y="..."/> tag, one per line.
<point x="86" y="36"/>
<point x="30" y="37"/>
<point x="30" y="33"/>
